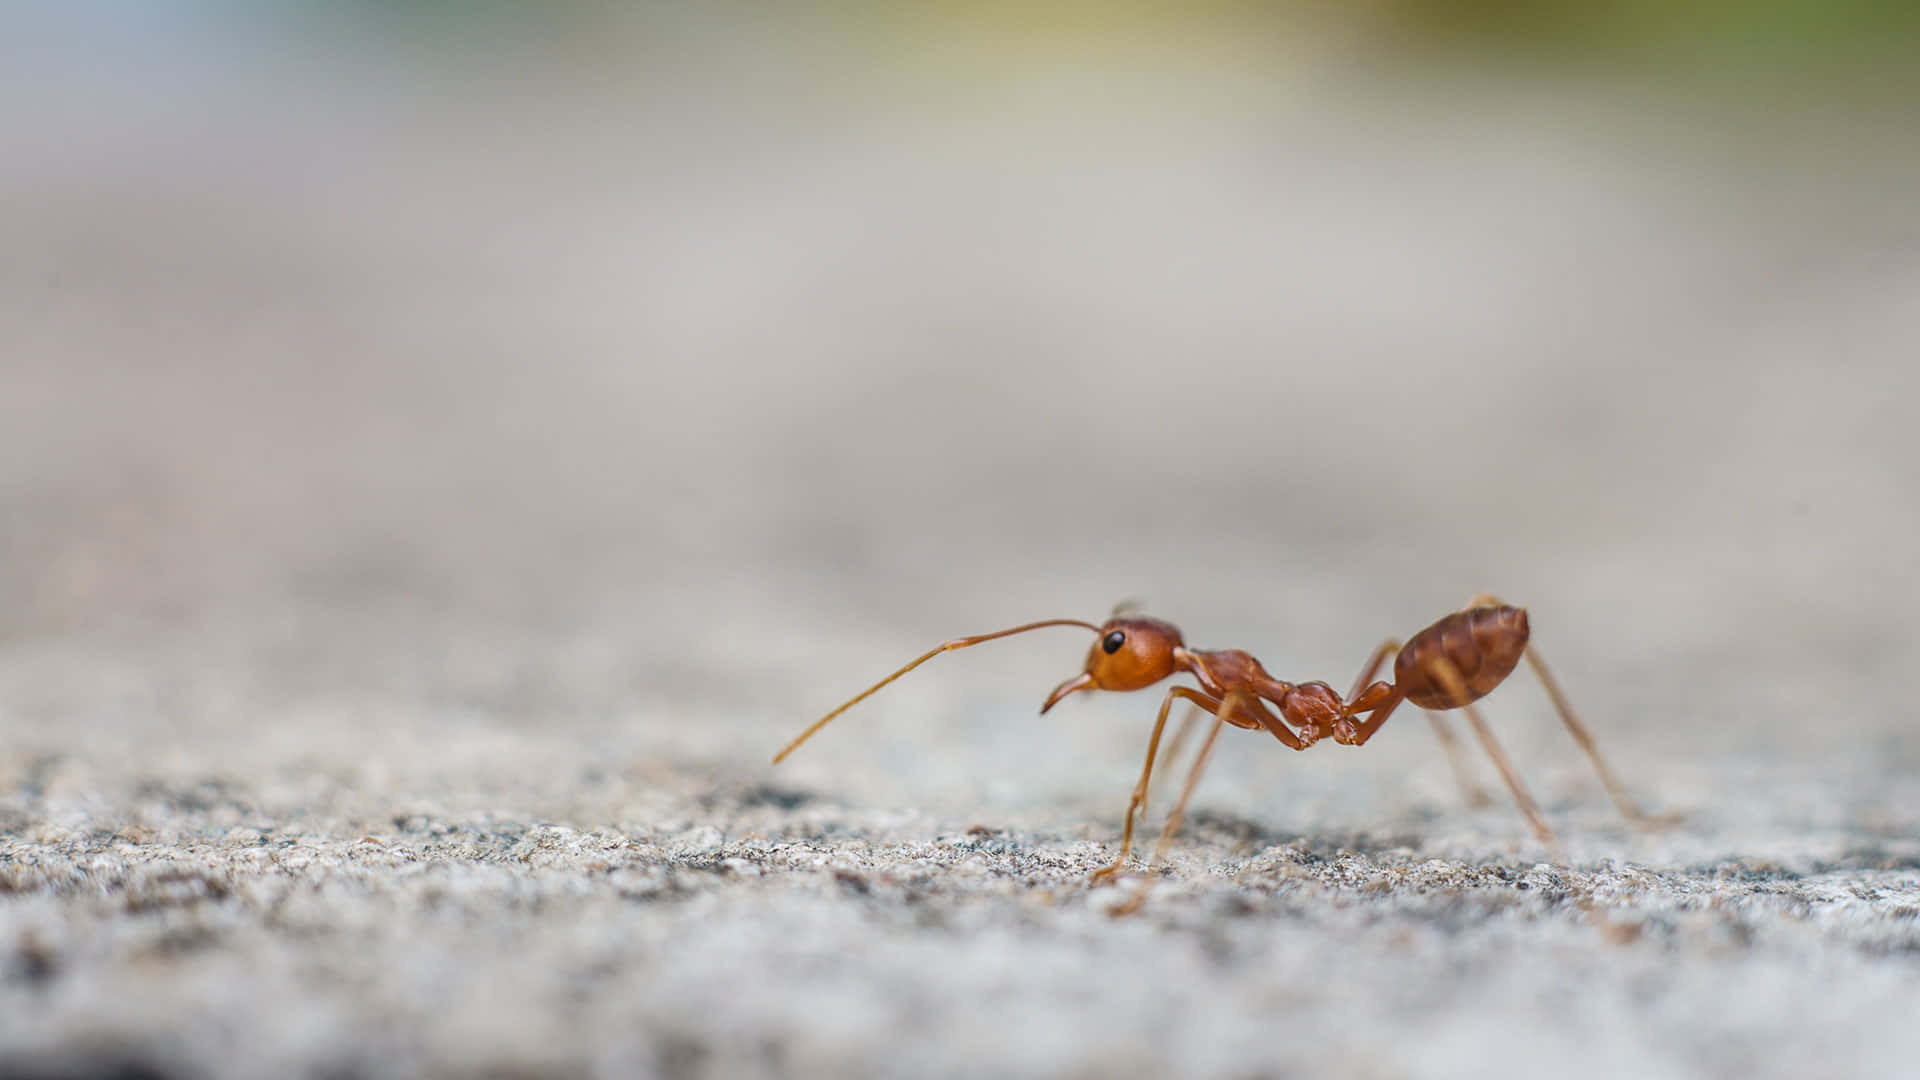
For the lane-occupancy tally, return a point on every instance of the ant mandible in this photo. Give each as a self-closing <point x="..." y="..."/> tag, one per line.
<point x="1449" y="665"/>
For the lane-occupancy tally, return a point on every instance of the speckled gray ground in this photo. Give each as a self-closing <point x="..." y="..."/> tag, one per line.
<point x="421" y="522"/>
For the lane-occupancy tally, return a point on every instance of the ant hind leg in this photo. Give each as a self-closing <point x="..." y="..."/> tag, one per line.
<point x="1584" y="736"/>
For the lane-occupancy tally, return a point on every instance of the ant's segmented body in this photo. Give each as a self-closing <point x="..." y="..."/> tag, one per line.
<point x="1449" y="665"/>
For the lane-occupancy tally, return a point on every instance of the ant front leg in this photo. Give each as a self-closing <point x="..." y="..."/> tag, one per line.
<point x="1188" y="724"/>
<point x="1139" y="799"/>
<point x="1236" y="700"/>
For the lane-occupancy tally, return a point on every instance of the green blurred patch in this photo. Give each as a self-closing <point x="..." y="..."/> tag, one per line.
<point x="1708" y="37"/>
<point x="1740" y="32"/>
<point x="1736" y="33"/>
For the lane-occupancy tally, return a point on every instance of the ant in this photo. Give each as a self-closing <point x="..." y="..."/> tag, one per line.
<point x="1449" y="665"/>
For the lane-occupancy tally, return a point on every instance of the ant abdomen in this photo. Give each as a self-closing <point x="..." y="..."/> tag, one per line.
<point x="1482" y="644"/>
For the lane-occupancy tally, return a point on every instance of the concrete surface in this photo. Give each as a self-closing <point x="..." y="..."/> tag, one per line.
<point x="420" y="524"/>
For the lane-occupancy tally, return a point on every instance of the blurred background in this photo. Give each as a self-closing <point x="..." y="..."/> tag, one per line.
<point x="379" y="374"/>
<point x="447" y="448"/>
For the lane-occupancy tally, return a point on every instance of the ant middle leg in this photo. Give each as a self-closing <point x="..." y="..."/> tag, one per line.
<point x="1442" y="731"/>
<point x="1455" y="684"/>
<point x="1470" y="789"/>
<point x="1138" y="801"/>
<point x="1514" y="784"/>
<point x="1582" y="735"/>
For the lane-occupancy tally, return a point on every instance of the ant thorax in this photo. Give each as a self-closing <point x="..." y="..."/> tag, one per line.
<point x="1223" y="670"/>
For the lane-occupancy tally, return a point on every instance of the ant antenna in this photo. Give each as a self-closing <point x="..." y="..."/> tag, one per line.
<point x="950" y="646"/>
<point x="1132" y="605"/>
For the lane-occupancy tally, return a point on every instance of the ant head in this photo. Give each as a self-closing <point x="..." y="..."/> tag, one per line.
<point x="1132" y="652"/>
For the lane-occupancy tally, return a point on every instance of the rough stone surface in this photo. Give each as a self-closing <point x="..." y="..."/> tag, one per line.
<point x="655" y="917"/>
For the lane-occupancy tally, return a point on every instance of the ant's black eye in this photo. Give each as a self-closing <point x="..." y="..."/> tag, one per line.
<point x="1113" y="641"/>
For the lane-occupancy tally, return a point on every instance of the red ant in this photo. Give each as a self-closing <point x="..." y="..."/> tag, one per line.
<point x="1449" y="665"/>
